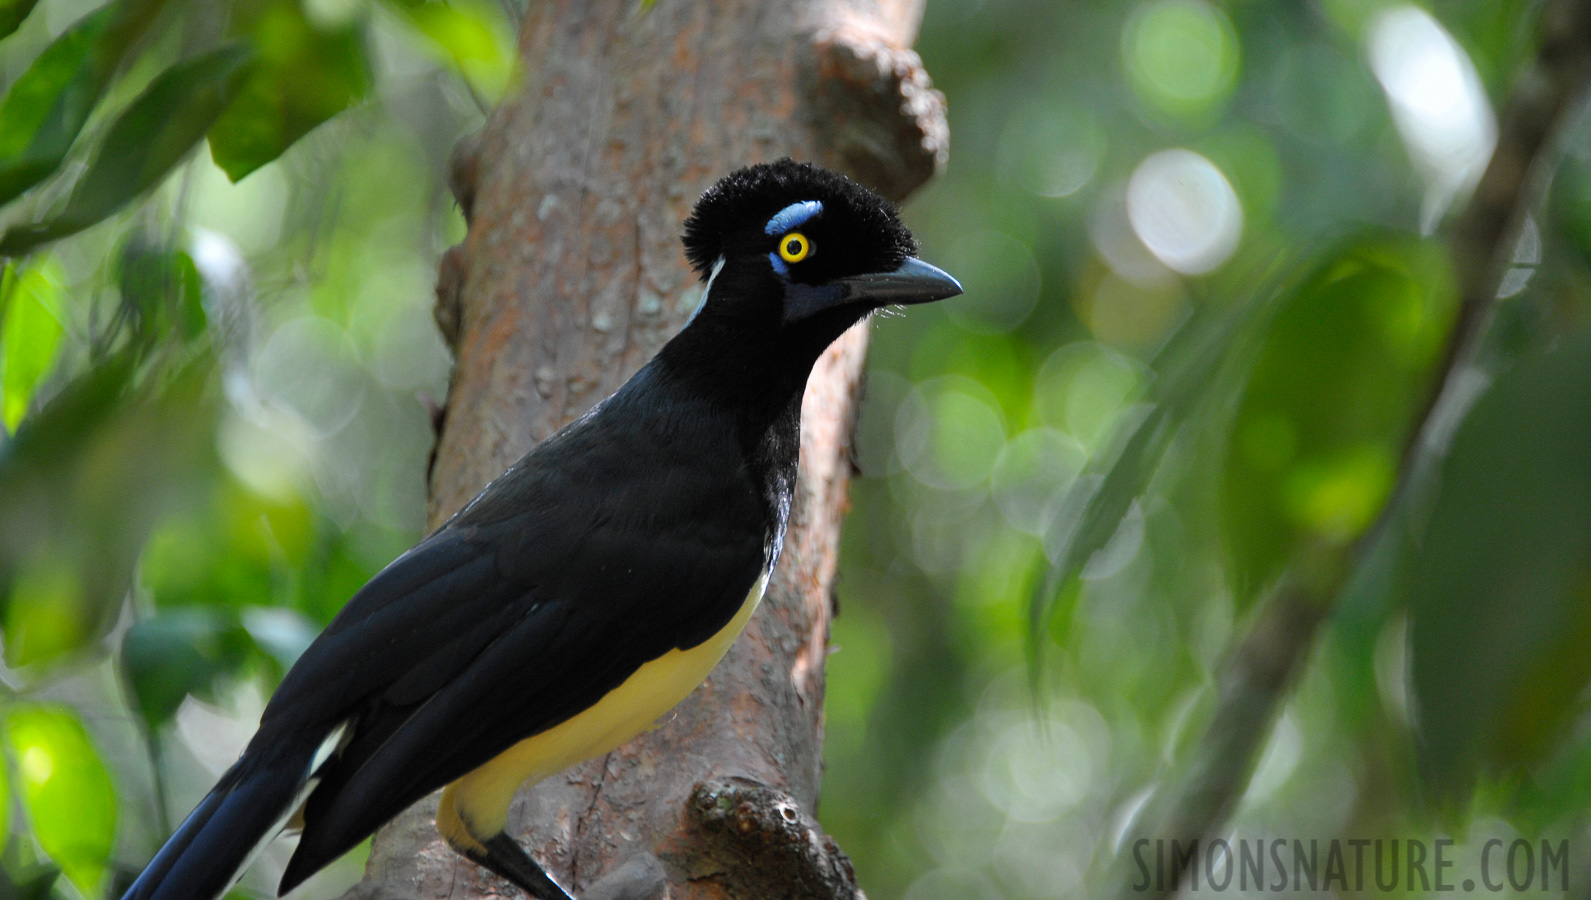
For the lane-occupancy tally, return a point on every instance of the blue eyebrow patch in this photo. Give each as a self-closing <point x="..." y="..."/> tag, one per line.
<point x="793" y="216"/>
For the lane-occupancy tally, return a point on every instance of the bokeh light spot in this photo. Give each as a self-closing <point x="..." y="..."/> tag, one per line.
<point x="1033" y="776"/>
<point x="1001" y="280"/>
<point x="1129" y="315"/>
<point x="1050" y="149"/>
<point x="1184" y="210"/>
<point x="267" y="450"/>
<point x="1337" y="498"/>
<point x="307" y="368"/>
<point x="1181" y="55"/>
<point x="949" y="433"/>
<point x="249" y="212"/>
<point x="1082" y="388"/>
<point x="1031" y="476"/>
<point x="1438" y="103"/>
<point x="1119" y="246"/>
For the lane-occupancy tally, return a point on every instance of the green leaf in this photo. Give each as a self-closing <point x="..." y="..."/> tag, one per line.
<point x="144" y="143"/>
<point x="1500" y="585"/>
<point x="45" y="108"/>
<point x="47" y="614"/>
<point x="47" y="105"/>
<point x="160" y="290"/>
<point x="305" y="75"/>
<point x="28" y="880"/>
<point x="1096" y="504"/>
<point x="1199" y="355"/>
<point x="1317" y="440"/>
<point x="180" y="652"/>
<point x="5" y="804"/>
<point x="30" y="303"/>
<point x="13" y="13"/>
<point x="472" y="36"/>
<point x="82" y="484"/>
<point x="65" y="790"/>
<point x="238" y="550"/>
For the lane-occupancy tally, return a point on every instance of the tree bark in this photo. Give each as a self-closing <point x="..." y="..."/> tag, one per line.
<point x="571" y="277"/>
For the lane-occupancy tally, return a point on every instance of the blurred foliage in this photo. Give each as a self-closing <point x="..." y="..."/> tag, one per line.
<point x="1330" y="403"/>
<point x="65" y="790"/>
<point x="154" y="133"/>
<point x="33" y="331"/>
<point x="46" y="107"/>
<point x="1208" y="291"/>
<point x="1156" y="420"/>
<point x="213" y="326"/>
<point x="1502" y="587"/>
<point x="304" y="76"/>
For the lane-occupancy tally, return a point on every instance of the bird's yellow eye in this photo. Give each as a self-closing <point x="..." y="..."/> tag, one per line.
<point x="794" y="247"/>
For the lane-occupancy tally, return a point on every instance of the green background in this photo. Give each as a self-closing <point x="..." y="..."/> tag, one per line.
<point x="1208" y="287"/>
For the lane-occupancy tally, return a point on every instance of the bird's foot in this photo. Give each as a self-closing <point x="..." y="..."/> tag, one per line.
<point x="509" y="860"/>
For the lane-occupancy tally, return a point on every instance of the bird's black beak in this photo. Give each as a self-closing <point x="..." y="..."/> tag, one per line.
<point x="914" y="282"/>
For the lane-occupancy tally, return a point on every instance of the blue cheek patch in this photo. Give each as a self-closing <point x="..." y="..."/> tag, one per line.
<point x="779" y="265"/>
<point x="793" y="216"/>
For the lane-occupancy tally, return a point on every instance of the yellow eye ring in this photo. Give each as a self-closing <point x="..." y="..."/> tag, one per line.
<point x="794" y="247"/>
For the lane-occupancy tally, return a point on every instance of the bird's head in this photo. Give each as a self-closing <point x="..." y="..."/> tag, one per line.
<point x="793" y="250"/>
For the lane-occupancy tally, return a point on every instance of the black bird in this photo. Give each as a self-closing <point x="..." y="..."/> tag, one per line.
<point x="586" y="590"/>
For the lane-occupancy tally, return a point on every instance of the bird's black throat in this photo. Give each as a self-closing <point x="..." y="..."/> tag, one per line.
<point x="748" y="365"/>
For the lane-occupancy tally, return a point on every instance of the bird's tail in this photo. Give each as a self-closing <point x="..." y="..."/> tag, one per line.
<point x="217" y="841"/>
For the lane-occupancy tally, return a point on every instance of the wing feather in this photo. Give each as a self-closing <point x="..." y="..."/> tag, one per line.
<point x="528" y="607"/>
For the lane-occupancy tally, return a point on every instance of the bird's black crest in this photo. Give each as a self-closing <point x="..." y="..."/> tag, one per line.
<point x="746" y="198"/>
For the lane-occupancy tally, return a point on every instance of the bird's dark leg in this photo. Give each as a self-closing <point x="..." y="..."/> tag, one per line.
<point x="505" y="857"/>
<point x="498" y="853"/>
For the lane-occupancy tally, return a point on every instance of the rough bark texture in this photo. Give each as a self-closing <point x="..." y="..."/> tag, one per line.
<point x="570" y="278"/>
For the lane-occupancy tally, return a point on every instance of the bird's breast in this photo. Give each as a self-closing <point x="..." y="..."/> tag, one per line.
<point x="481" y="797"/>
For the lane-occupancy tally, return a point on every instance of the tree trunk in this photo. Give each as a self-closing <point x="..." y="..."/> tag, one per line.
<point x="571" y="277"/>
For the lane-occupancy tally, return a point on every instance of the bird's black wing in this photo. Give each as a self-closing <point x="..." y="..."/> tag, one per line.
<point x="568" y="574"/>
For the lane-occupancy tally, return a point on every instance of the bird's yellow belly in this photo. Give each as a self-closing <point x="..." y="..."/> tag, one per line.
<point x="475" y="807"/>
